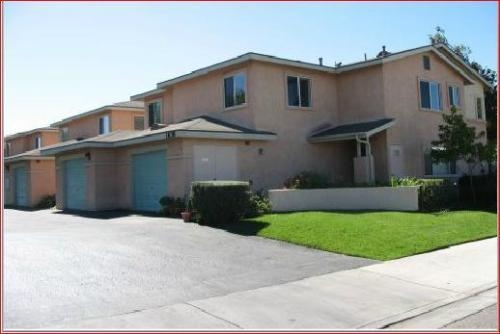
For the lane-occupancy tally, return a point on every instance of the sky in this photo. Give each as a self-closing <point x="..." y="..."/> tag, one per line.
<point x="61" y="59"/>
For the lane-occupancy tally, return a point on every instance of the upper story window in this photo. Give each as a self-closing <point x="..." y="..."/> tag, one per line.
<point x="454" y="96"/>
<point x="154" y="113"/>
<point x="298" y="91"/>
<point x="104" y="124"/>
<point x="235" y="90"/>
<point x="38" y="142"/>
<point x="426" y="62"/>
<point x="479" y="108"/>
<point x="138" y="123"/>
<point x="430" y="95"/>
<point x="7" y="150"/>
<point x="64" y="133"/>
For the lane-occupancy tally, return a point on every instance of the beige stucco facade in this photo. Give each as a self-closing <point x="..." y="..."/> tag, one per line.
<point x="387" y="89"/>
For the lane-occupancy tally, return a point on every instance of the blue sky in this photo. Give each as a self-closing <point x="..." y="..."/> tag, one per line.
<point x="65" y="58"/>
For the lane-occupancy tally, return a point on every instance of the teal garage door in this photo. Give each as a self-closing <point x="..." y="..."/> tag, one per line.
<point x="75" y="184"/>
<point x="149" y="180"/>
<point x="21" y="182"/>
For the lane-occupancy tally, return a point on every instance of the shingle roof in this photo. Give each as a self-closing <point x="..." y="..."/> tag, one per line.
<point x="132" y="105"/>
<point x="202" y="126"/>
<point x="349" y="131"/>
<point x="28" y="155"/>
<point x="24" y="133"/>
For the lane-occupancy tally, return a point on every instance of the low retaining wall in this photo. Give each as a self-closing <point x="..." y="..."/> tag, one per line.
<point x="370" y="198"/>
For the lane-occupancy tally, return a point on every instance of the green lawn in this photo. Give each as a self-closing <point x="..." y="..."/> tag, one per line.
<point x="376" y="235"/>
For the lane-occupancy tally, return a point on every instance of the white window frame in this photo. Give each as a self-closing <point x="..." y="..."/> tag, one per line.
<point x="105" y="130"/>
<point x="440" y="95"/>
<point x="482" y="108"/>
<point x="235" y="106"/>
<point x="38" y="142"/>
<point x="298" y="77"/>
<point x="458" y="91"/>
<point x="64" y="133"/>
<point x="149" y="124"/>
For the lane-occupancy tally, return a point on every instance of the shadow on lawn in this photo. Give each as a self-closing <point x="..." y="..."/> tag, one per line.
<point x="244" y="227"/>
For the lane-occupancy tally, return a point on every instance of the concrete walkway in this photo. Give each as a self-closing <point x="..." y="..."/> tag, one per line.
<point x="405" y="293"/>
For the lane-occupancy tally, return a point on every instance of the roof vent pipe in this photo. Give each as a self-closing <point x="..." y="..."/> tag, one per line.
<point x="320" y="61"/>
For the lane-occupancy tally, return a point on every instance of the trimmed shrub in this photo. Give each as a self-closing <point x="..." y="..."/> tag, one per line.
<point x="307" y="180"/>
<point x="485" y="189"/>
<point x="258" y="205"/>
<point x="219" y="202"/>
<point x="47" y="202"/>
<point x="434" y="194"/>
<point x="171" y="207"/>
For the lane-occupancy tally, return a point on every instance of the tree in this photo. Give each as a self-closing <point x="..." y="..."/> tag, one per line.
<point x="490" y="96"/>
<point x="458" y="141"/>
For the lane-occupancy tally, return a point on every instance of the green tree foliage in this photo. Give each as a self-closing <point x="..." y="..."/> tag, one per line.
<point x="458" y="141"/>
<point x="490" y="96"/>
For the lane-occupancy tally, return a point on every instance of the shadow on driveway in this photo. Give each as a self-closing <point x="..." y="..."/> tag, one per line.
<point x="244" y="227"/>
<point x="109" y="214"/>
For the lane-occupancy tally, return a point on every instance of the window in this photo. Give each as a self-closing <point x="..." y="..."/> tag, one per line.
<point x="64" y="132"/>
<point x="7" y="150"/>
<point x="299" y="91"/>
<point x="479" y="108"/>
<point x="454" y="96"/>
<point x="235" y="90"/>
<point x="430" y="95"/>
<point x="138" y="123"/>
<point x="38" y="142"/>
<point x="104" y="125"/>
<point x="427" y="62"/>
<point x="154" y="113"/>
<point x="439" y="168"/>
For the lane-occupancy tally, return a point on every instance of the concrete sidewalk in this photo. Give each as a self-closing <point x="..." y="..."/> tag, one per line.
<point x="378" y="296"/>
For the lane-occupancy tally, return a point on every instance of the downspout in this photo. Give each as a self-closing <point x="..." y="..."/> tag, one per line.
<point x="368" y="154"/>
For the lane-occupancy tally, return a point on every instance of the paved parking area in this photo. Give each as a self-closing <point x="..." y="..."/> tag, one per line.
<point x="61" y="267"/>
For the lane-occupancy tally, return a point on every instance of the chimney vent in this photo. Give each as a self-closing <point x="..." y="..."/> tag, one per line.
<point x="384" y="53"/>
<point x="320" y="61"/>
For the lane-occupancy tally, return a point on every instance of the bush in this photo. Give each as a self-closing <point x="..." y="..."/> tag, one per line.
<point x="307" y="180"/>
<point x="219" y="202"/>
<point x="258" y="205"/>
<point x="47" y="202"/>
<point x="172" y="207"/>
<point x="434" y="194"/>
<point x="485" y="188"/>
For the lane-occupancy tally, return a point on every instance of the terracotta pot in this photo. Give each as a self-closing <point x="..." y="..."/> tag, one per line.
<point x="186" y="216"/>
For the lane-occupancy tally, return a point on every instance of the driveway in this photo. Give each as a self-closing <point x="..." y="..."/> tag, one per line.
<point x="61" y="267"/>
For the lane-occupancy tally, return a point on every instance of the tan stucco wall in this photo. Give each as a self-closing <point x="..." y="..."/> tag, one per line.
<point x="40" y="180"/>
<point x="27" y="142"/>
<point x="42" y="175"/>
<point x="87" y="127"/>
<point x="416" y="128"/>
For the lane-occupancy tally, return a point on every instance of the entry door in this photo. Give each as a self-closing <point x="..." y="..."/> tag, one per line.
<point x="21" y="189"/>
<point x="214" y="163"/>
<point x="149" y="178"/>
<point x="75" y="184"/>
<point x="396" y="160"/>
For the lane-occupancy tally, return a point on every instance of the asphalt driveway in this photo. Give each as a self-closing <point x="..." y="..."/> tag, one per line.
<point x="63" y="267"/>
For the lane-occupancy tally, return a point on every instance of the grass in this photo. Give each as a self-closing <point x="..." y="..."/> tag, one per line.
<point x="376" y="235"/>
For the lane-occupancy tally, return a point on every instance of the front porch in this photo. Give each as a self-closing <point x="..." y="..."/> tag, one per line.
<point x="362" y="134"/>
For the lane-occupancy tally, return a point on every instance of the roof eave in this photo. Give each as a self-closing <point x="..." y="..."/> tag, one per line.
<point x="222" y="135"/>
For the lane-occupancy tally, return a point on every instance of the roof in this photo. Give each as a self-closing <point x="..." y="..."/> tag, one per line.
<point x="387" y="57"/>
<point x="130" y="105"/>
<point x="29" y="132"/>
<point x="352" y="130"/>
<point x="199" y="127"/>
<point x="28" y="155"/>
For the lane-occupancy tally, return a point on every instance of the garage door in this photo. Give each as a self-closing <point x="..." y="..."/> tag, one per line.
<point x="21" y="182"/>
<point x="149" y="179"/>
<point x="214" y="163"/>
<point x="75" y="181"/>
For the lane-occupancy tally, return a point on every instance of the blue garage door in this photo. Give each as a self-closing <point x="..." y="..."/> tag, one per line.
<point x="149" y="179"/>
<point x="21" y="182"/>
<point x="75" y="184"/>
